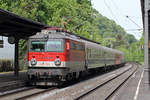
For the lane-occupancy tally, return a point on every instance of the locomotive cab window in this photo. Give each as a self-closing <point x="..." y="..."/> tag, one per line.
<point x="37" y="46"/>
<point x="54" y="45"/>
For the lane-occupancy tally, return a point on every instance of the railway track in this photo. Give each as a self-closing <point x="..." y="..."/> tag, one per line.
<point x="36" y="94"/>
<point x="109" y="97"/>
<point x="10" y="92"/>
<point x="106" y="93"/>
<point x="24" y="93"/>
<point x="105" y="85"/>
<point x="6" y="86"/>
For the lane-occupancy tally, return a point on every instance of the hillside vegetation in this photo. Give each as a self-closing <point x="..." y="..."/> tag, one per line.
<point x="81" y="18"/>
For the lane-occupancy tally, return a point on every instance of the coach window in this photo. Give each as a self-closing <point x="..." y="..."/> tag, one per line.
<point x="37" y="46"/>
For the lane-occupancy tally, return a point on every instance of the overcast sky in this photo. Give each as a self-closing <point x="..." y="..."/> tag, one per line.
<point x="113" y="9"/>
<point x="118" y="10"/>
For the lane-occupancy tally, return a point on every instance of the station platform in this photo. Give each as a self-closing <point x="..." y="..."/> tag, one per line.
<point x="136" y="88"/>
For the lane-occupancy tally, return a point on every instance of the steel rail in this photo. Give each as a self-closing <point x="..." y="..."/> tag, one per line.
<point x="15" y="91"/>
<point x="35" y="94"/>
<point x="112" y="93"/>
<point x="92" y="90"/>
<point x="12" y="85"/>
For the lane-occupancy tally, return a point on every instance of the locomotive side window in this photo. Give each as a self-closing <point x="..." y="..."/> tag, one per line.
<point x="81" y="47"/>
<point x="54" y="46"/>
<point x="37" y="46"/>
<point x="72" y="45"/>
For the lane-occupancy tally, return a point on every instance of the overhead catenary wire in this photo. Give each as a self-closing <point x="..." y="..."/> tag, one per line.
<point x="111" y="11"/>
<point x="127" y="17"/>
<point x="116" y="7"/>
<point x="133" y="21"/>
<point x="133" y="29"/>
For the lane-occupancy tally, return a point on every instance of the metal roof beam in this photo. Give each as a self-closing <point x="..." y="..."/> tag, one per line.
<point x="12" y="24"/>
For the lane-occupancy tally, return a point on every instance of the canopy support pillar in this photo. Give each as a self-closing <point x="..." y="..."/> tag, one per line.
<point x="16" y="58"/>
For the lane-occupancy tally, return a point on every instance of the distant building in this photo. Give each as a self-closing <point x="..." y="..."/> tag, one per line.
<point x="8" y="51"/>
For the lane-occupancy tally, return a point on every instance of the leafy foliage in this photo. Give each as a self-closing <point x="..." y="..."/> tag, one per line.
<point x="80" y="18"/>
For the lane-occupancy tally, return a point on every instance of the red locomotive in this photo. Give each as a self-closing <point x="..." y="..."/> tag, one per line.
<point x="56" y="56"/>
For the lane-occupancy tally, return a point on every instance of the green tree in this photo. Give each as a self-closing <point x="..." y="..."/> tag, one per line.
<point x="80" y="16"/>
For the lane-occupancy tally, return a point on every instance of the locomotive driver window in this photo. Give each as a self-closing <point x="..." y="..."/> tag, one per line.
<point x="54" y="46"/>
<point x="37" y="46"/>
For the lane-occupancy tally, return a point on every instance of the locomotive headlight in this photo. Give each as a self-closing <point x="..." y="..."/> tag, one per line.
<point x="33" y="61"/>
<point x="57" y="62"/>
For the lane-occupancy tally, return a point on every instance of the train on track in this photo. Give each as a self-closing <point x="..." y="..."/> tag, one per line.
<point x="56" y="56"/>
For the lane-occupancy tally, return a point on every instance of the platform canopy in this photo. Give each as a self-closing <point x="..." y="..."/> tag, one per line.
<point x="17" y="26"/>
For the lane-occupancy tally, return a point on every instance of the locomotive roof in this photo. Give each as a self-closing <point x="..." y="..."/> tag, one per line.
<point x="52" y="35"/>
<point x="66" y="32"/>
<point x="56" y="35"/>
